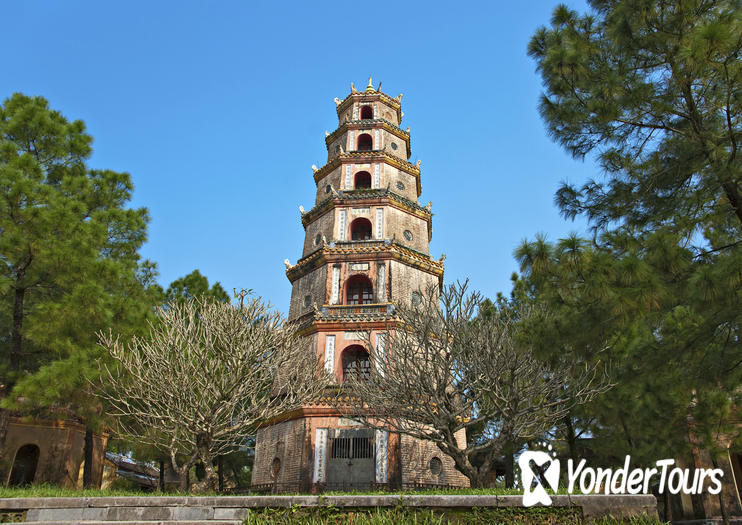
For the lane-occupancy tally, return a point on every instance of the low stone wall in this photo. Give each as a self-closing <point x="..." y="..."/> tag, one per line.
<point x="233" y="509"/>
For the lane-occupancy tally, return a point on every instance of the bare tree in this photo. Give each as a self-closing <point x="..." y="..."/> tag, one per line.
<point x="208" y="374"/>
<point x="445" y="366"/>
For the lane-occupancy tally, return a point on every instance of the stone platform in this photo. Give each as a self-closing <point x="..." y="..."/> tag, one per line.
<point x="190" y="510"/>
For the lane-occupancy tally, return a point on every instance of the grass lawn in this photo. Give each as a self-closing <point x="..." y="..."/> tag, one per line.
<point x="49" y="491"/>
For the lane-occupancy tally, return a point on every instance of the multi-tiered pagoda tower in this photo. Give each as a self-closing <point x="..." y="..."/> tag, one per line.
<point x="366" y="247"/>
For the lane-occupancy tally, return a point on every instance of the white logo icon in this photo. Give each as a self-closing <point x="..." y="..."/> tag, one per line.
<point x="550" y="475"/>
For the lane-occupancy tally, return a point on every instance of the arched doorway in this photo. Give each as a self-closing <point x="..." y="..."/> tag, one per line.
<point x="360" y="229"/>
<point x="24" y="466"/>
<point x="365" y="142"/>
<point x="356" y="363"/>
<point x="367" y="112"/>
<point x="362" y="180"/>
<point x="358" y="290"/>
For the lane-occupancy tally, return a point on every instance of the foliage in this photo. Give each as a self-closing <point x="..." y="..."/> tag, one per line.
<point x="195" y="285"/>
<point x="652" y="89"/>
<point x="208" y="373"/>
<point x="69" y="257"/>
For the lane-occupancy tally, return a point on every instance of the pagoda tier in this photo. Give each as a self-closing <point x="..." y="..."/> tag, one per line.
<point x="366" y="248"/>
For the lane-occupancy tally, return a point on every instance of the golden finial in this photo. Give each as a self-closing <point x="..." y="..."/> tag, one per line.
<point x="370" y="87"/>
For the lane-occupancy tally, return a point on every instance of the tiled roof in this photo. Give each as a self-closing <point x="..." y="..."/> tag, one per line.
<point x="351" y="195"/>
<point x="389" y="126"/>
<point x="383" y="97"/>
<point x="334" y="251"/>
<point x="365" y="156"/>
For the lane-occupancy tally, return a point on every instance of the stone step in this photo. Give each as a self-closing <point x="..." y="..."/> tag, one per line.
<point x="160" y="522"/>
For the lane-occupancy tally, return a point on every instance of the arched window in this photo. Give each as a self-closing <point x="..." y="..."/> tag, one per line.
<point x="360" y="229"/>
<point x="365" y="142"/>
<point x="362" y="180"/>
<point x="356" y="363"/>
<point x="367" y="112"/>
<point x="24" y="466"/>
<point x="358" y="290"/>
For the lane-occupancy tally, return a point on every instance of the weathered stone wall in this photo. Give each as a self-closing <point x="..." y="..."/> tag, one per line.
<point x="404" y="280"/>
<point x="398" y="221"/>
<point x="331" y="179"/>
<point x="237" y="508"/>
<point x="313" y="285"/>
<point x="416" y="456"/>
<point x="323" y="225"/>
<point x="61" y="450"/>
<point x="283" y="441"/>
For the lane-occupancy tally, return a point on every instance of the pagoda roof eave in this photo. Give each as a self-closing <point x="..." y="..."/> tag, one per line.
<point x="388" y="248"/>
<point x="371" y="196"/>
<point x="397" y="162"/>
<point x="394" y="103"/>
<point x="359" y="124"/>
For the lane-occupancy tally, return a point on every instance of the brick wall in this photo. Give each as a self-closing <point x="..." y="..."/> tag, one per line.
<point x="312" y="284"/>
<point x="415" y="458"/>
<point x="284" y="441"/>
<point x="405" y="280"/>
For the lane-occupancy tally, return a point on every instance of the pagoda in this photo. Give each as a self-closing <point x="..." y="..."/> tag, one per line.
<point x="365" y="248"/>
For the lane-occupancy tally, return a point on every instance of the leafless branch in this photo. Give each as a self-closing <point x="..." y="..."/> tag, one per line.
<point x="206" y="376"/>
<point x="447" y="367"/>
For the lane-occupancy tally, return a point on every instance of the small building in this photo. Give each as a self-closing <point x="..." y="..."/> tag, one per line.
<point x="46" y="450"/>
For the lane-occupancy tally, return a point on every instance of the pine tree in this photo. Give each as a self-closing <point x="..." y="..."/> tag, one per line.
<point x="69" y="248"/>
<point x="651" y="89"/>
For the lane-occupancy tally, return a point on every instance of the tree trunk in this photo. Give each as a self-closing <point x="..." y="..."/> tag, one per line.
<point x="571" y="439"/>
<point x="668" y="507"/>
<point x="509" y="469"/>
<point x="87" y="471"/>
<point x="162" y="476"/>
<point x="722" y="506"/>
<point x="219" y="464"/>
<point x="16" y="336"/>
<point x="4" y="418"/>
<point x="211" y="479"/>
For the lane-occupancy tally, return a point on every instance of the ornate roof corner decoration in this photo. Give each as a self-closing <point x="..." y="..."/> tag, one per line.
<point x="370" y="87"/>
<point x="394" y="103"/>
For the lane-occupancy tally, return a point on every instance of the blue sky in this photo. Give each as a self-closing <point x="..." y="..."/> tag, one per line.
<point x="218" y="111"/>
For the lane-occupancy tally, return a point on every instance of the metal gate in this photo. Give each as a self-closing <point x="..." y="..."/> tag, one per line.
<point x="350" y="459"/>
